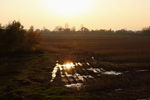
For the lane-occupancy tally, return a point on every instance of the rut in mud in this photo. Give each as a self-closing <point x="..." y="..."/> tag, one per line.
<point x="77" y="74"/>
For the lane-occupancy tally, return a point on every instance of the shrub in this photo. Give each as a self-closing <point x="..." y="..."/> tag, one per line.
<point x="31" y="39"/>
<point x="13" y="38"/>
<point x="146" y="30"/>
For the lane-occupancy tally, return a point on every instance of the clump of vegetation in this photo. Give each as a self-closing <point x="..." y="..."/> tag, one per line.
<point x="146" y="30"/>
<point x="14" y="38"/>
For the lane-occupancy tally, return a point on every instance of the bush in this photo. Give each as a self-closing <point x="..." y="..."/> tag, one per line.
<point x="31" y="39"/>
<point x="146" y="30"/>
<point x="13" y="38"/>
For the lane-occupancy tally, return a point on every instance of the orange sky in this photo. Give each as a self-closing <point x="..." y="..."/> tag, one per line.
<point x="94" y="14"/>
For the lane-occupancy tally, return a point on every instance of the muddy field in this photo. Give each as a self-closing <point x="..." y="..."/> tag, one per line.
<point x="80" y="66"/>
<point x="105" y="66"/>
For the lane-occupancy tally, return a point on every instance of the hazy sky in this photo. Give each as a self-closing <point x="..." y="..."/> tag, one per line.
<point x="94" y="14"/>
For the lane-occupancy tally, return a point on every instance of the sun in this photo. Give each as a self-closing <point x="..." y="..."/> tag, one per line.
<point x="68" y="7"/>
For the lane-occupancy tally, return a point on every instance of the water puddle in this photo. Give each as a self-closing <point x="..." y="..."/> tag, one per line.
<point x="54" y="72"/>
<point x="112" y="73"/>
<point x="80" y="64"/>
<point x="76" y="74"/>
<point x="144" y="99"/>
<point x="88" y="64"/>
<point x="144" y="70"/>
<point x="96" y="70"/>
<point x="77" y="85"/>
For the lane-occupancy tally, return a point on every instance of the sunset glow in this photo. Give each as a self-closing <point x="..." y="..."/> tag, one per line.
<point x="93" y="14"/>
<point x="68" y="7"/>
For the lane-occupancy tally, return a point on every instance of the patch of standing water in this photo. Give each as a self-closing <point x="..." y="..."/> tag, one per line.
<point x="76" y="85"/>
<point x="95" y="70"/>
<point x="61" y="67"/>
<point x="102" y="71"/>
<point x="76" y="74"/>
<point x="54" y="72"/>
<point x="88" y="64"/>
<point x="144" y="99"/>
<point x="112" y="73"/>
<point x="142" y="70"/>
<point x="80" y="64"/>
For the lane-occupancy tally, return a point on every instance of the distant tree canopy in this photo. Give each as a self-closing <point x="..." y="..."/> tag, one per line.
<point x="146" y="30"/>
<point x="14" y="38"/>
<point x="82" y="29"/>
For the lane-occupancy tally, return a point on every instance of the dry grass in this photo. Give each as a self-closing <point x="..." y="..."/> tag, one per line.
<point x="112" y="52"/>
<point x="120" y="53"/>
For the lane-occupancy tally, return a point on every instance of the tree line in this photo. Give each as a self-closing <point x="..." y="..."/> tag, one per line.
<point x="82" y="29"/>
<point x="14" y="38"/>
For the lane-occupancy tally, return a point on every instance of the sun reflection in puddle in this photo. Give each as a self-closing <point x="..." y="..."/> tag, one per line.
<point x="77" y="73"/>
<point x="68" y="65"/>
<point x="61" y="67"/>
